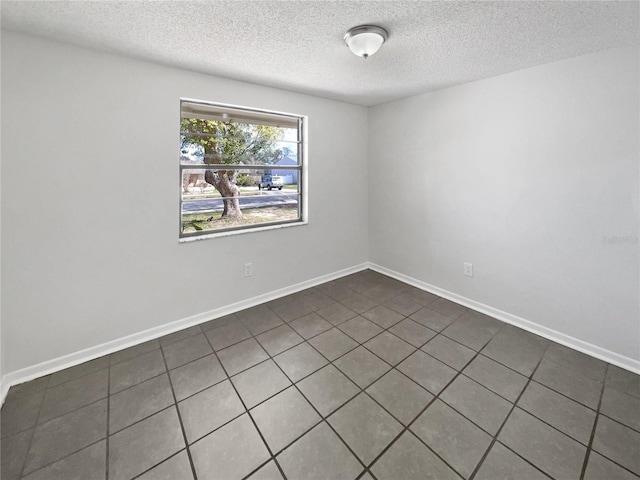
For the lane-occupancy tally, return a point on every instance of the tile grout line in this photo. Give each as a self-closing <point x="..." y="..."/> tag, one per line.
<point x="407" y="427"/>
<point x="600" y="414"/>
<point x="175" y="405"/>
<point x="26" y="457"/>
<point x="595" y="411"/>
<point x="142" y="419"/>
<point x="173" y="455"/>
<point x="553" y="426"/>
<point x="595" y="426"/>
<point x="367" y="470"/>
<point x="306" y="340"/>
<point x="255" y="337"/>
<point x="136" y="384"/>
<point x="271" y="455"/>
<point x="323" y="419"/>
<point x="73" y="379"/>
<point x="270" y="357"/>
<point x="53" y="462"/>
<point x="359" y="344"/>
<point x="437" y="396"/>
<point x="20" y="396"/>
<point x="217" y="428"/>
<point x="108" y="419"/>
<point x="622" y="467"/>
<point x="113" y="363"/>
<point x="43" y="423"/>
<point x="537" y="382"/>
<point x="538" y="469"/>
<point x="38" y="423"/>
<point x="547" y="387"/>
<point x="541" y="420"/>
<point x="287" y="322"/>
<point x="530" y="380"/>
<point x="506" y="419"/>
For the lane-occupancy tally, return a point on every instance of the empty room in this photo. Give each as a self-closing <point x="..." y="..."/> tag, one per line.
<point x="331" y="240"/>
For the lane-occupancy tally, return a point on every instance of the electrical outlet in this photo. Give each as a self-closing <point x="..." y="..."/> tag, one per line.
<point x="248" y="269"/>
<point x="468" y="269"/>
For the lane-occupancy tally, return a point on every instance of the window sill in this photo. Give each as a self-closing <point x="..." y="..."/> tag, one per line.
<point x="240" y="232"/>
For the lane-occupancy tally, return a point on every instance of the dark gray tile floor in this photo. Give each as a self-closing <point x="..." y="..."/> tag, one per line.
<point x="360" y="378"/>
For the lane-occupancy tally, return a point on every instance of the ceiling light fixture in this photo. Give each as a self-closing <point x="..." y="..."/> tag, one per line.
<point x="365" y="40"/>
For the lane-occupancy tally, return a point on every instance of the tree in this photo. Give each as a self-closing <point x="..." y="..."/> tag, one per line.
<point x="287" y="152"/>
<point x="231" y="144"/>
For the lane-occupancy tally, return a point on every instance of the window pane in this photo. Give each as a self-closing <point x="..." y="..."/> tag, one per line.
<point x="227" y="113"/>
<point x="264" y="196"/>
<point x="239" y="168"/>
<point x="216" y="142"/>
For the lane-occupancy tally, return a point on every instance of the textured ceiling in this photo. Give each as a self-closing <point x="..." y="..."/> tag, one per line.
<point x="297" y="45"/>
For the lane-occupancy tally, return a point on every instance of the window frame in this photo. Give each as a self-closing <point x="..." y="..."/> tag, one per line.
<point x="256" y="113"/>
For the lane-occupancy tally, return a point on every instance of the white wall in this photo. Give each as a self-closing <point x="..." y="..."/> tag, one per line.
<point x="522" y="175"/>
<point x="2" y="388"/>
<point x="90" y="189"/>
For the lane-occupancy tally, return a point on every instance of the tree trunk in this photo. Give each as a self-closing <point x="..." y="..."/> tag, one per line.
<point x="229" y="191"/>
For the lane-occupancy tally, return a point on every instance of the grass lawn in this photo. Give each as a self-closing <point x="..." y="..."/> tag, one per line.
<point x="251" y="216"/>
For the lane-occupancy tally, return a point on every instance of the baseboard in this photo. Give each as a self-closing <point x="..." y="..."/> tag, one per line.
<point x="548" y="333"/>
<point x="66" y="361"/>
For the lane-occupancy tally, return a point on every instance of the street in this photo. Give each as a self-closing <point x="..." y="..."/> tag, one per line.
<point x="266" y="199"/>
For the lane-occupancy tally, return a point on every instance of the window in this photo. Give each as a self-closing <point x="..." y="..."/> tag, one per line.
<point x="240" y="169"/>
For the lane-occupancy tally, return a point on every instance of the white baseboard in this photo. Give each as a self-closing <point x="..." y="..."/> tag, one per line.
<point x="66" y="361"/>
<point x="568" y="341"/>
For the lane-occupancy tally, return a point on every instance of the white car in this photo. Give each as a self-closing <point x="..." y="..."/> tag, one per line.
<point x="270" y="181"/>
